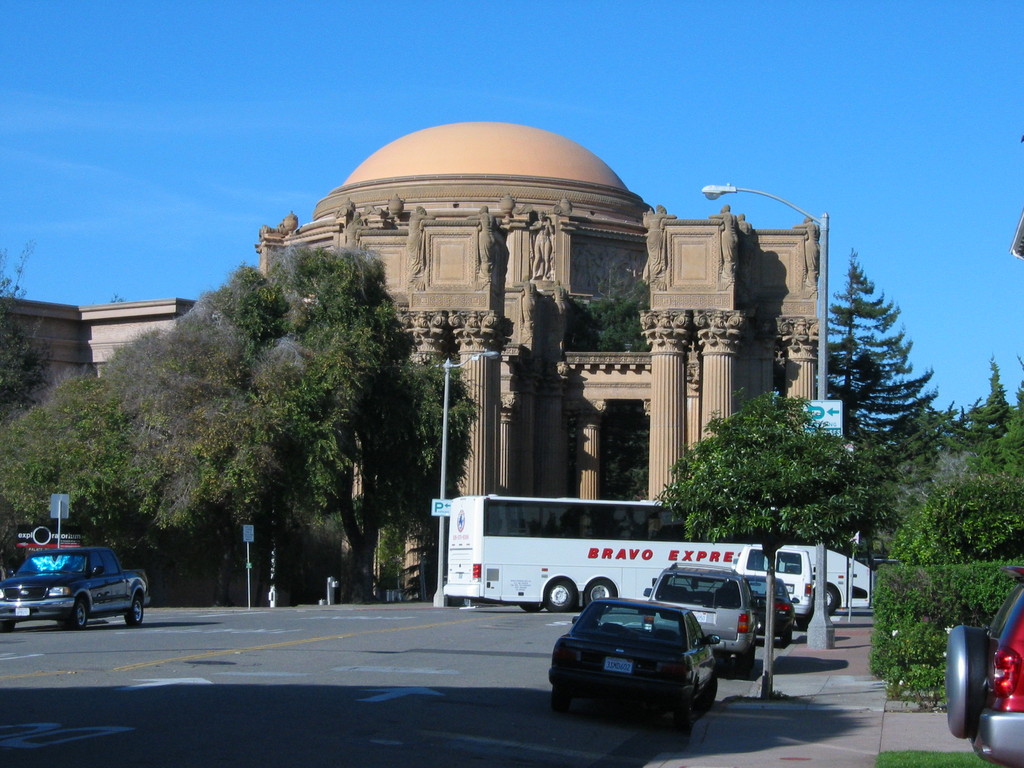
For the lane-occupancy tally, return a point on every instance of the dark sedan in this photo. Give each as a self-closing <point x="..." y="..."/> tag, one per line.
<point x="637" y="651"/>
<point x="785" y="613"/>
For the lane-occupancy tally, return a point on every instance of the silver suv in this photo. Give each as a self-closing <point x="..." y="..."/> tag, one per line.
<point x="720" y="599"/>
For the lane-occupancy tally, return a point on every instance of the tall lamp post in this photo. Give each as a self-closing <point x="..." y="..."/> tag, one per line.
<point x="821" y="632"/>
<point x="442" y="544"/>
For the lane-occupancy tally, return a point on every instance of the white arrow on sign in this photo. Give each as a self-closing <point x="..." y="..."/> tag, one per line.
<point x="395" y="693"/>
<point x="160" y="681"/>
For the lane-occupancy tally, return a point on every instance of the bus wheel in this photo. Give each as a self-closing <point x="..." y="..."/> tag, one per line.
<point x="560" y="596"/>
<point x="833" y="600"/>
<point x="599" y="589"/>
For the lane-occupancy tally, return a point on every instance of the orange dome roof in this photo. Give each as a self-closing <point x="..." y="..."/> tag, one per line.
<point x="485" y="149"/>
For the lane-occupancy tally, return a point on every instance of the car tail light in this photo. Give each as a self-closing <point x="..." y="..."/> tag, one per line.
<point x="563" y="655"/>
<point x="808" y="590"/>
<point x="673" y="669"/>
<point x="1005" y="672"/>
<point x="477" y="571"/>
<point x="744" y="624"/>
<point x="782" y="607"/>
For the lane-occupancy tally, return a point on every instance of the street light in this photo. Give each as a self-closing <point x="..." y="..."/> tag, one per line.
<point x="820" y="633"/>
<point x="448" y="365"/>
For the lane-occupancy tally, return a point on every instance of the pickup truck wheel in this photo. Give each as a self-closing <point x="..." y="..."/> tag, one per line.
<point x="135" y="612"/>
<point x="79" y="617"/>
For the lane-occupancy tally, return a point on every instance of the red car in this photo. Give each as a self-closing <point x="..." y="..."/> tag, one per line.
<point x="985" y="681"/>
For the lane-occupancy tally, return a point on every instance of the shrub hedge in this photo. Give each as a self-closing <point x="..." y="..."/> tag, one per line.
<point x="915" y="607"/>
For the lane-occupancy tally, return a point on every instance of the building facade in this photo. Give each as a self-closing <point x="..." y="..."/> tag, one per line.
<point x="487" y="230"/>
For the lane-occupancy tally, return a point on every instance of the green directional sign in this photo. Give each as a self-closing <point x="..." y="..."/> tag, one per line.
<point x="827" y="415"/>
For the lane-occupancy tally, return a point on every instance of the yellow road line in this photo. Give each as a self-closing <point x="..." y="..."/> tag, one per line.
<point x="38" y="674"/>
<point x="286" y="644"/>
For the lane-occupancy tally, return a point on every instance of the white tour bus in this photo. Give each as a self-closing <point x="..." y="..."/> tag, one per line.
<point x="558" y="553"/>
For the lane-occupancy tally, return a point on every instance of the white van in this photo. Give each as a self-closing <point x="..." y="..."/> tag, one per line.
<point x="792" y="566"/>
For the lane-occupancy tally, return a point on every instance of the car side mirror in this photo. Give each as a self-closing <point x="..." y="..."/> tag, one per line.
<point x="712" y="639"/>
<point x="648" y="591"/>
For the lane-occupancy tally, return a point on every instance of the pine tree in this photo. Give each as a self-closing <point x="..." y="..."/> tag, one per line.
<point x="995" y="431"/>
<point x="869" y="365"/>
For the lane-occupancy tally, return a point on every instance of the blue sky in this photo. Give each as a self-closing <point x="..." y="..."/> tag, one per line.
<point x="143" y="144"/>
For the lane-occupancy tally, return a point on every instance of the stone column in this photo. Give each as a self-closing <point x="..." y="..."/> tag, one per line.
<point x="476" y="332"/>
<point x="550" y="441"/>
<point x="800" y="342"/>
<point x="508" y="453"/>
<point x="693" y="381"/>
<point x="719" y="333"/>
<point x="588" y="450"/>
<point x="523" y="476"/>
<point x="668" y="332"/>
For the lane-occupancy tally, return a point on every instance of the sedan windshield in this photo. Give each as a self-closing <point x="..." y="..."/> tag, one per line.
<point x="53" y="564"/>
<point x="628" y="621"/>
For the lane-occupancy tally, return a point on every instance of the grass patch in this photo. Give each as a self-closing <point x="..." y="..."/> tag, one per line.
<point x="918" y="759"/>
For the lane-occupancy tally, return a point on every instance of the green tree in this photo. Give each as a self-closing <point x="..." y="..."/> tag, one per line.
<point x="368" y="417"/>
<point x="608" y="323"/>
<point x="205" y="426"/>
<point x="22" y="366"/>
<point x="78" y="442"/>
<point x="977" y="517"/>
<point x="987" y="423"/>
<point x="869" y="365"/>
<point x="764" y="475"/>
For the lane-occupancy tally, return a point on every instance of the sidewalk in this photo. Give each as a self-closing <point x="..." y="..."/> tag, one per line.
<point x="837" y="717"/>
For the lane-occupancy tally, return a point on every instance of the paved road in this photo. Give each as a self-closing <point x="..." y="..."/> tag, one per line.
<point x="400" y="684"/>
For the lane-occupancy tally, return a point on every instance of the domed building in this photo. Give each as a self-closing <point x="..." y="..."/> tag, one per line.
<point x="490" y="231"/>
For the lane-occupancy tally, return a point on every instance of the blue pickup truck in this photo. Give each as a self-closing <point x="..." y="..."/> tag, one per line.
<point x="72" y="586"/>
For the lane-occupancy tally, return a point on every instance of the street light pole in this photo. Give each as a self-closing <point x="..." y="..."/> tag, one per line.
<point x="820" y="632"/>
<point x="442" y="542"/>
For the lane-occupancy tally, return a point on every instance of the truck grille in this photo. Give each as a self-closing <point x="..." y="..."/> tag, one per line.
<point x="14" y="594"/>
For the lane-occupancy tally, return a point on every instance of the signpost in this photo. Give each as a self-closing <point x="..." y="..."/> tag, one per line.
<point x="248" y="536"/>
<point x="827" y="415"/>
<point x="60" y="509"/>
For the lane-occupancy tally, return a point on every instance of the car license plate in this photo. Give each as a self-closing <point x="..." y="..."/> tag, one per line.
<point x="625" y="666"/>
<point x="705" y="617"/>
<point x="19" y="611"/>
<point x="789" y="588"/>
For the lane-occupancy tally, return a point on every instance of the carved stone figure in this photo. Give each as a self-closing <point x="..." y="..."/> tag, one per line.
<point x="542" y="266"/>
<point x="415" y="252"/>
<point x="812" y="252"/>
<point x="527" y="315"/>
<point x="353" y="227"/>
<point x="492" y="255"/>
<point x="654" y="270"/>
<point x="730" y="244"/>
